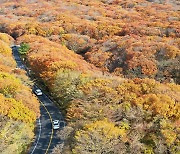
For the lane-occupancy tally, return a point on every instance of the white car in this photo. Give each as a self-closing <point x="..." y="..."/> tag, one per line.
<point x="56" y="124"/>
<point x="15" y="46"/>
<point x="38" y="92"/>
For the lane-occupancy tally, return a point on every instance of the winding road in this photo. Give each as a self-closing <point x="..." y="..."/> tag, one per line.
<point x="45" y="136"/>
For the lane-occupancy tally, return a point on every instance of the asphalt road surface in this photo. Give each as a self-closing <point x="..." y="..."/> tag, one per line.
<point x="45" y="136"/>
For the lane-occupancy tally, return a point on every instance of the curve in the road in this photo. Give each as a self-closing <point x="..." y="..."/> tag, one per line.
<point x="46" y="137"/>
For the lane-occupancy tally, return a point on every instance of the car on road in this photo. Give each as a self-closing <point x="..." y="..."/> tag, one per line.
<point x="15" y="46"/>
<point x="56" y="124"/>
<point x="38" y="92"/>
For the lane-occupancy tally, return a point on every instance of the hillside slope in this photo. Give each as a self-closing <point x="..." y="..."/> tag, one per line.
<point x="131" y="38"/>
<point x="19" y="109"/>
<point x="112" y="66"/>
<point x="105" y="112"/>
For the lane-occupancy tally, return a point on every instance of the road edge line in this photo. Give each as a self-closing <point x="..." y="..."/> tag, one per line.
<point x="38" y="137"/>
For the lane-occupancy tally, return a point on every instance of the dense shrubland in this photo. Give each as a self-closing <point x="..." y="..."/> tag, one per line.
<point x="125" y="97"/>
<point x="18" y="107"/>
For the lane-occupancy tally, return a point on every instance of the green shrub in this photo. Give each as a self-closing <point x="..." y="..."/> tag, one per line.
<point x="24" y="48"/>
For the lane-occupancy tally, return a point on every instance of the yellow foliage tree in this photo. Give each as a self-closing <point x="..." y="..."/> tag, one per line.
<point x="9" y="85"/>
<point x="5" y="38"/>
<point x="16" y="110"/>
<point x="99" y="137"/>
<point x="4" y="48"/>
<point x="160" y="104"/>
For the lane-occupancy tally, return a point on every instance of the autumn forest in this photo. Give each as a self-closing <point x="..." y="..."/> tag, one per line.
<point x="111" y="66"/>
